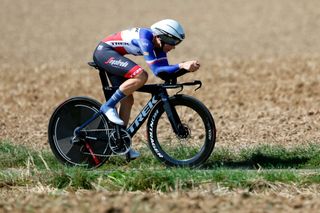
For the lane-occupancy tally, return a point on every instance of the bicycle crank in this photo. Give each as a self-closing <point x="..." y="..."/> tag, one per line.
<point x="119" y="141"/>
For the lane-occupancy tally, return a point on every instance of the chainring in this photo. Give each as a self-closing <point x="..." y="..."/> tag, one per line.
<point x="120" y="146"/>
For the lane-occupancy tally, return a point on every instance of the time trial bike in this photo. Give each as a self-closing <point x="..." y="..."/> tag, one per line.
<point x="180" y="129"/>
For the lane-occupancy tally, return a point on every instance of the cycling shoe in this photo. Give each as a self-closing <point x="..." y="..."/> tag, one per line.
<point x="133" y="154"/>
<point x="113" y="115"/>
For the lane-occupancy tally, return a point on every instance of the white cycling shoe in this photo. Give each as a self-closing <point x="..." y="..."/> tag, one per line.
<point x="112" y="115"/>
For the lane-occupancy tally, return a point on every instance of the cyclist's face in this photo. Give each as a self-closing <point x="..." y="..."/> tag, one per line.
<point x="168" y="47"/>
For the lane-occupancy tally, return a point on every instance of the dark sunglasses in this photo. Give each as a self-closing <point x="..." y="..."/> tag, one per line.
<point x="169" y="40"/>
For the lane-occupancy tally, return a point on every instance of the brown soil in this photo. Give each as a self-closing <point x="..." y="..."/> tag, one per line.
<point x="279" y="199"/>
<point x="260" y="73"/>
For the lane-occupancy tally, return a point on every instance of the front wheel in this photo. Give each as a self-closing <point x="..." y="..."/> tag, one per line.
<point x="71" y="114"/>
<point x="195" y="145"/>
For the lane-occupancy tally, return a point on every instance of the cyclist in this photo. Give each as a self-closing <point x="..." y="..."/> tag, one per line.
<point x="153" y="43"/>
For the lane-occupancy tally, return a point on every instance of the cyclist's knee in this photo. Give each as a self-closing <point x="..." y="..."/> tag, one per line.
<point x="143" y="77"/>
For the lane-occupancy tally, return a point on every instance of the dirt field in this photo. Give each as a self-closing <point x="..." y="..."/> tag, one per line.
<point x="260" y="72"/>
<point x="213" y="200"/>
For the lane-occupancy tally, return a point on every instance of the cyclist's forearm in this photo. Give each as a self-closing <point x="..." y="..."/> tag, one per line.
<point x="168" y="69"/>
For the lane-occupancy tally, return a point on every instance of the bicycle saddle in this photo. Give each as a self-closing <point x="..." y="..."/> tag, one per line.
<point x="92" y="64"/>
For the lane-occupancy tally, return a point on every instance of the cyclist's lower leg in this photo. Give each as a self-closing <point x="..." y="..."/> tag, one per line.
<point x="125" y="89"/>
<point x="129" y="87"/>
<point x="125" y="109"/>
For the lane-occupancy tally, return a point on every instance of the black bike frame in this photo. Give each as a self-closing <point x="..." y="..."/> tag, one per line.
<point x="158" y="93"/>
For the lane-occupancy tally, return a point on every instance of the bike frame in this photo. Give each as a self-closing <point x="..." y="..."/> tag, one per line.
<point x="158" y="93"/>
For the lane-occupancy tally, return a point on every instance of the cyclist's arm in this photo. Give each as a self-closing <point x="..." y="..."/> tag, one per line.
<point x="157" y="63"/>
<point x="160" y="64"/>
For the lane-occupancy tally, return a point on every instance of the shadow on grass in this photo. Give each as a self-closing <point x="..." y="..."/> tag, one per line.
<point x="260" y="160"/>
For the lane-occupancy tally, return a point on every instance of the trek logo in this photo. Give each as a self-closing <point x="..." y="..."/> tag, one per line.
<point x="143" y="114"/>
<point x="119" y="43"/>
<point x="116" y="63"/>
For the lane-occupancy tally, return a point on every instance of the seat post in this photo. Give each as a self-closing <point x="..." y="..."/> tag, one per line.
<point x="107" y="90"/>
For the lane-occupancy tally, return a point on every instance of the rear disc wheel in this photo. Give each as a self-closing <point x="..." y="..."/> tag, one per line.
<point x="90" y="152"/>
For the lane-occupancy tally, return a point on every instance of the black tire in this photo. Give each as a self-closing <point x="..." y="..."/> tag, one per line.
<point x="65" y="119"/>
<point x="174" y="150"/>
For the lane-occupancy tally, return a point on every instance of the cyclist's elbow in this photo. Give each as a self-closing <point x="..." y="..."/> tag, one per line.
<point x="157" y="71"/>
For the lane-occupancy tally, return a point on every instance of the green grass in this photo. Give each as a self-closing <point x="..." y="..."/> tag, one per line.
<point x="22" y="166"/>
<point x="13" y="156"/>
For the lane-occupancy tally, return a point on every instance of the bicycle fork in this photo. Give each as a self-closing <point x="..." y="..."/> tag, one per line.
<point x="173" y="117"/>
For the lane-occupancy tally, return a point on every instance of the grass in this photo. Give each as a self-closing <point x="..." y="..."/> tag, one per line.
<point x="13" y="156"/>
<point x="22" y="166"/>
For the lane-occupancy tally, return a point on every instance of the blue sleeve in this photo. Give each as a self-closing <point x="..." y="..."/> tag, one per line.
<point x="156" y="60"/>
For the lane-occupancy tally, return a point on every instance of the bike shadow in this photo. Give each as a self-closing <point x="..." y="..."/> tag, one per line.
<point x="259" y="161"/>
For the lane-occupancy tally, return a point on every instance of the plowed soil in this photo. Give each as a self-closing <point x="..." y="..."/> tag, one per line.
<point x="260" y="68"/>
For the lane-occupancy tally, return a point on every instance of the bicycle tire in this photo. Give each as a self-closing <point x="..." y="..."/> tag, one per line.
<point x="173" y="150"/>
<point x="69" y="115"/>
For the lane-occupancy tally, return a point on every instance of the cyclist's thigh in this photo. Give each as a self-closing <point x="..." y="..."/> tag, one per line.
<point x="116" y="80"/>
<point x="114" y="63"/>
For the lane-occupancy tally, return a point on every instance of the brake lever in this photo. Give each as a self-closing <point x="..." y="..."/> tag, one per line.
<point x="200" y="84"/>
<point x="181" y="88"/>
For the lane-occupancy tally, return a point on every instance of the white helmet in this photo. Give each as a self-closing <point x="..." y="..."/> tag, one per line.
<point x="169" y="31"/>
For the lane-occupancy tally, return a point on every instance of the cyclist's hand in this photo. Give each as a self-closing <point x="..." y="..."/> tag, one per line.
<point x="191" y="66"/>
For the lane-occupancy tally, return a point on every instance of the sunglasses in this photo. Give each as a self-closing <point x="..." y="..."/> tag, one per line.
<point x="169" y="40"/>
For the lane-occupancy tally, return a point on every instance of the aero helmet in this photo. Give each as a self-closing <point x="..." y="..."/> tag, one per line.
<point x="169" y="31"/>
